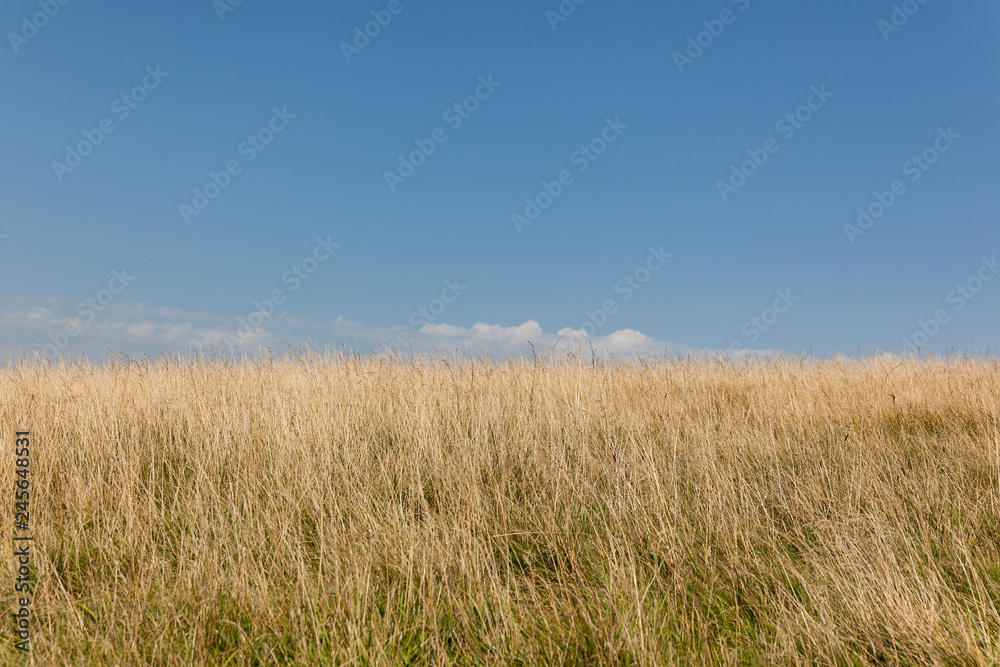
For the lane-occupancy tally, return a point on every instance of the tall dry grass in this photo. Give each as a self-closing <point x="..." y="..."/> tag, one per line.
<point x="348" y="510"/>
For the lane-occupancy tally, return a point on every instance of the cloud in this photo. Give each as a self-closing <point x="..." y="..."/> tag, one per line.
<point x="56" y="327"/>
<point x="485" y="332"/>
<point x="524" y="337"/>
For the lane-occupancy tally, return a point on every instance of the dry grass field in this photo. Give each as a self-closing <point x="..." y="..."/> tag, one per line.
<point x="337" y="509"/>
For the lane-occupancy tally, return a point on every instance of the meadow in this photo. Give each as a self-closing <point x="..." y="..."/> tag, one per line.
<point x="318" y="509"/>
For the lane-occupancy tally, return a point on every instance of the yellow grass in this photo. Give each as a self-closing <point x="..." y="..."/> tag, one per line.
<point x="350" y="510"/>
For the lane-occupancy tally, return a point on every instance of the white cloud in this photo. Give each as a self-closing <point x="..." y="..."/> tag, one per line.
<point x="142" y="329"/>
<point x="43" y="325"/>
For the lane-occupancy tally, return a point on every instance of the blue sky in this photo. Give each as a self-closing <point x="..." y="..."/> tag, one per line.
<point x="222" y="73"/>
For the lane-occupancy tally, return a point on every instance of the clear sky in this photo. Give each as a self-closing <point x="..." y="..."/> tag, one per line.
<point x="626" y="123"/>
